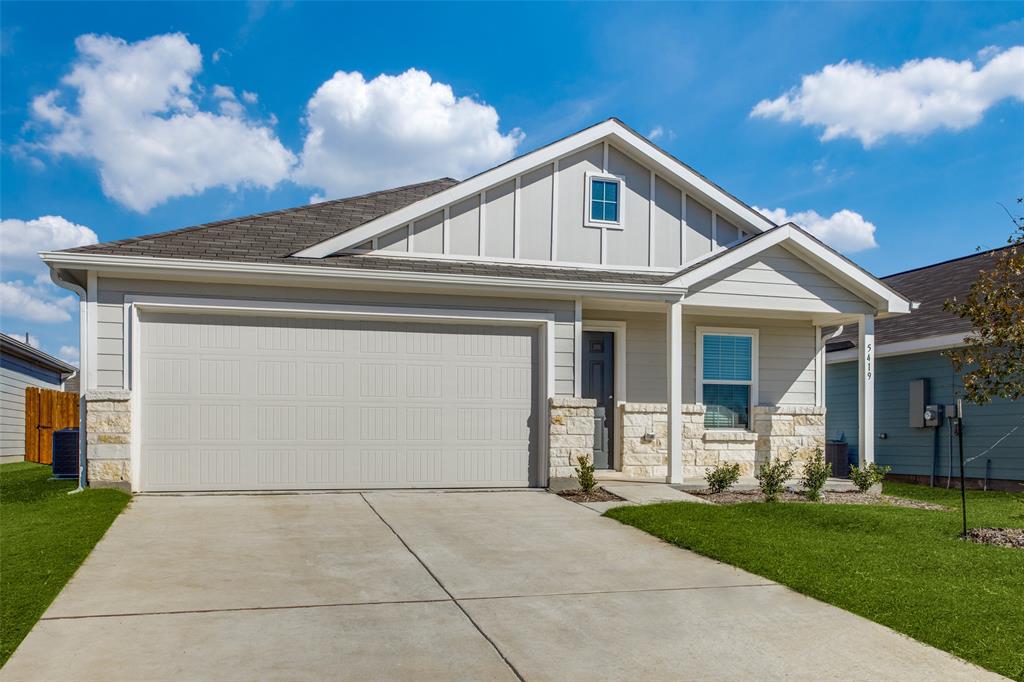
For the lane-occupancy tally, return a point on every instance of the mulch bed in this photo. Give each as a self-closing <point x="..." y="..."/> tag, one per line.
<point x="827" y="497"/>
<point x="1001" y="537"/>
<point x="595" y="495"/>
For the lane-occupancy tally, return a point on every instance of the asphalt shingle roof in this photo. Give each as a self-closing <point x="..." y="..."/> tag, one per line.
<point x="273" y="237"/>
<point x="931" y="286"/>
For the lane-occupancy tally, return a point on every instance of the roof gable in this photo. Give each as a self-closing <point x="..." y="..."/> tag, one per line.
<point x="612" y="130"/>
<point x="805" y="247"/>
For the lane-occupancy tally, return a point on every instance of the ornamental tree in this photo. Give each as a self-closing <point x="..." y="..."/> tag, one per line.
<point x="991" y="362"/>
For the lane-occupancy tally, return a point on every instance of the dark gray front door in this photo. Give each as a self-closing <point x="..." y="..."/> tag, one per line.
<point x="599" y="383"/>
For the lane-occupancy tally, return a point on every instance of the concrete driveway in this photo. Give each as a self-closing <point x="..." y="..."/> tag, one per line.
<point x="434" y="585"/>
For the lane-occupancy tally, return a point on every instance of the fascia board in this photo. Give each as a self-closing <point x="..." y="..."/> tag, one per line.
<point x="145" y="266"/>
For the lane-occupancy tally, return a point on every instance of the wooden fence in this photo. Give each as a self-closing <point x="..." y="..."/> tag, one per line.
<point x="46" y="411"/>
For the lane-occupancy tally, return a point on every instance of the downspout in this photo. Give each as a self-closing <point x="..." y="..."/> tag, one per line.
<point x="83" y="359"/>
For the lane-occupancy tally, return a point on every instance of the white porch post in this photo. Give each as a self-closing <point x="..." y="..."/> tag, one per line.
<point x="866" y="390"/>
<point x="674" y="365"/>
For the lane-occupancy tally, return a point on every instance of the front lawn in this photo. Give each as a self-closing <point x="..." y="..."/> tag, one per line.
<point x="904" y="568"/>
<point x="45" y="534"/>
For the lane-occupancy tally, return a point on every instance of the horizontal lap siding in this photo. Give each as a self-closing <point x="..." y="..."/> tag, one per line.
<point x="776" y="279"/>
<point x="112" y="292"/>
<point x="12" y="408"/>
<point x="917" y="451"/>
<point x="786" y="356"/>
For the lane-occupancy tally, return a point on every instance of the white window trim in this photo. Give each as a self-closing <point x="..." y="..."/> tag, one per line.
<point x="620" y="224"/>
<point x="698" y="370"/>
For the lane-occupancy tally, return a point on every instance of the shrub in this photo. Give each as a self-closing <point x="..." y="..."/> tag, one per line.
<point x="585" y="473"/>
<point x="868" y="476"/>
<point x="772" y="477"/>
<point x="722" y="477"/>
<point x="816" y="473"/>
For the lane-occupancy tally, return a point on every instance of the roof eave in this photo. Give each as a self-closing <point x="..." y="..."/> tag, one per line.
<point x="214" y="269"/>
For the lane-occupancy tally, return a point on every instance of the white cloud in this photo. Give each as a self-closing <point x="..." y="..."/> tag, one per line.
<point x="34" y="302"/>
<point x="844" y="230"/>
<point x="135" y="114"/>
<point x="659" y="132"/>
<point x="69" y="354"/>
<point x="250" y="97"/>
<point x="861" y="101"/>
<point x="392" y="130"/>
<point x="22" y="240"/>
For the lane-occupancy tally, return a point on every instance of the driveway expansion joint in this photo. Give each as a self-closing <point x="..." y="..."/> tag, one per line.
<point x="285" y="607"/>
<point x="440" y="584"/>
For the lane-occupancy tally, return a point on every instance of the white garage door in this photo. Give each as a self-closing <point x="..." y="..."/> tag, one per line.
<point x="247" y="403"/>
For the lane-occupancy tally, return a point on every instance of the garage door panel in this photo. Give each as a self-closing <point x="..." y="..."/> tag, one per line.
<point x="238" y="403"/>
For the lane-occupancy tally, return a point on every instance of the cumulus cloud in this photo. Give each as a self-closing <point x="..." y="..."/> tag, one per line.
<point x="133" y="110"/>
<point x="392" y="130"/>
<point x="660" y="132"/>
<point x="69" y="354"/>
<point x="22" y="240"/>
<point x="34" y="302"/>
<point x="844" y="230"/>
<point x="26" y="292"/>
<point x="863" y="102"/>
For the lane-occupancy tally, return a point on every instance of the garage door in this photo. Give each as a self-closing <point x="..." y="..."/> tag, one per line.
<point x="247" y="403"/>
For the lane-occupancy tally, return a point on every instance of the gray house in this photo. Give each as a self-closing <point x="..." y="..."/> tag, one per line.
<point x="466" y="334"/>
<point x="909" y="350"/>
<point x="22" y="365"/>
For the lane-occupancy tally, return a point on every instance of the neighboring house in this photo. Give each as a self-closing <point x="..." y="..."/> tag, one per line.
<point x="908" y="349"/>
<point x="22" y="365"/>
<point x="452" y="334"/>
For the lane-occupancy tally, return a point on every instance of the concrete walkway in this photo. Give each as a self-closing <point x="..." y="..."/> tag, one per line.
<point x="434" y="585"/>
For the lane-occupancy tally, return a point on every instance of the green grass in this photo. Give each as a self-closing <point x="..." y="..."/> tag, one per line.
<point x="45" y="534"/>
<point x="904" y="568"/>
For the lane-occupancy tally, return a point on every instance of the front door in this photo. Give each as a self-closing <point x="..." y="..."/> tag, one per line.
<point x="599" y="384"/>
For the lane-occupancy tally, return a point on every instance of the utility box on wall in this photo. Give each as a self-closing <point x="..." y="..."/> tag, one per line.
<point x="917" y="402"/>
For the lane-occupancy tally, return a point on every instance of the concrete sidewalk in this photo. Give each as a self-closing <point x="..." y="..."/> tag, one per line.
<point x="434" y="585"/>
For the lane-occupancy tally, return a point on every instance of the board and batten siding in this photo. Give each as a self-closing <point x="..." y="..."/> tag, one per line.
<point x="776" y="279"/>
<point x="112" y="292"/>
<point x="921" y="452"/>
<point x="15" y="375"/>
<point x="785" y="356"/>
<point x="515" y="219"/>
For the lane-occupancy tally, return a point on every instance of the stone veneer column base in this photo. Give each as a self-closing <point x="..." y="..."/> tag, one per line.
<point x="789" y="431"/>
<point x="570" y="434"/>
<point x="108" y="428"/>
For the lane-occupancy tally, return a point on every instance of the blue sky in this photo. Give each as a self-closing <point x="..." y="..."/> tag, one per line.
<point x="852" y="133"/>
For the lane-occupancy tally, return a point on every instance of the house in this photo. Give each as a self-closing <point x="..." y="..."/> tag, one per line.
<point x="21" y="365"/>
<point x="466" y="334"/>
<point x="909" y="349"/>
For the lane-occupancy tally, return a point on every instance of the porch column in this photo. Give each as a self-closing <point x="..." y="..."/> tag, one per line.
<point x="674" y="366"/>
<point x="866" y="390"/>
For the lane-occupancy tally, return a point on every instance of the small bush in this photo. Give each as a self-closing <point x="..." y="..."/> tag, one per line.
<point x="772" y="477"/>
<point x="816" y="473"/>
<point x="585" y="473"/>
<point x="868" y="476"/>
<point x="722" y="477"/>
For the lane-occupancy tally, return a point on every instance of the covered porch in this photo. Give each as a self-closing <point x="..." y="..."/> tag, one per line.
<point x="730" y="370"/>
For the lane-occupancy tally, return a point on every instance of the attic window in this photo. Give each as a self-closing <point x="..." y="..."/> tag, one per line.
<point x="604" y="201"/>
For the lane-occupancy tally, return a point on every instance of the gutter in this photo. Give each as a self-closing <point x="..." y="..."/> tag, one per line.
<point x="56" y="276"/>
